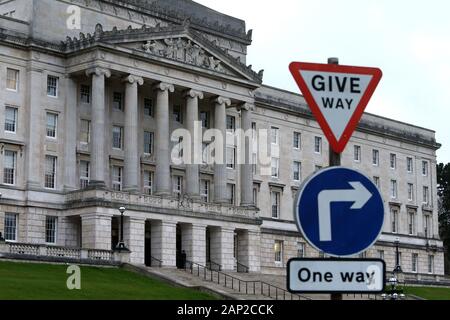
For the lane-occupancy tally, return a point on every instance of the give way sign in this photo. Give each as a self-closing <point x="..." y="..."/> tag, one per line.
<point x="337" y="96"/>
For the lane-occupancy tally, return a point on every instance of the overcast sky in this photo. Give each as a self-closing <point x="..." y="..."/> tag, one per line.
<point x="408" y="40"/>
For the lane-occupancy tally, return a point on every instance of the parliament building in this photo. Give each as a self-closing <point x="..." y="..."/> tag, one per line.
<point x="91" y="93"/>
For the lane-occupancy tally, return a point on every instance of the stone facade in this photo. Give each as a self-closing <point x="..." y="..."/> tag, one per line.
<point x="94" y="111"/>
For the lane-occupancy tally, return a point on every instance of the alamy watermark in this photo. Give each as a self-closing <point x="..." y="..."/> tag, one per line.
<point x="73" y="22"/>
<point x="74" y="280"/>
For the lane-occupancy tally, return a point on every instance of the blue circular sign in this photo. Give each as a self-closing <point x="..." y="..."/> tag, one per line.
<point x="339" y="211"/>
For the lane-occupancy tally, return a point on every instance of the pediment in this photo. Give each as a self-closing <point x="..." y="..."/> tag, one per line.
<point x="176" y="43"/>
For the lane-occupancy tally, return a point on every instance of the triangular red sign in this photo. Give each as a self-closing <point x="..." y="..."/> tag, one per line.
<point x="337" y="96"/>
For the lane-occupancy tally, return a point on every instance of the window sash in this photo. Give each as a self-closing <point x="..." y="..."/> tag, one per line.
<point x="148" y="142"/>
<point x="278" y="251"/>
<point x="10" y="119"/>
<point x="148" y="182"/>
<point x="424" y="168"/>
<point x="375" y="157"/>
<point x="357" y="153"/>
<point x="10" y="227"/>
<point x="231" y="124"/>
<point x="393" y="189"/>
<point x="410" y="192"/>
<point x="117" y="178"/>
<point x="275" y="167"/>
<point x="178" y="184"/>
<point x="318" y="144"/>
<point x="204" y="190"/>
<point x="426" y="195"/>
<point x="204" y="117"/>
<point x="148" y="107"/>
<point x="117" y="137"/>
<point x="393" y="161"/>
<point x="52" y="86"/>
<point x="297" y="169"/>
<point x="12" y="77"/>
<point x="50" y="172"/>
<point x="231" y="158"/>
<point x="394" y="221"/>
<point x="297" y="140"/>
<point x="411" y="223"/>
<point x="118" y="101"/>
<point x="430" y="264"/>
<point x="85" y="93"/>
<point x="275" y="204"/>
<point x="50" y="229"/>
<point x="9" y="167"/>
<point x="231" y="193"/>
<point x="275" y="138"/>
<point x="52" y="122"/>
<point x="414" y="262"/>
<point x="85" y="131"/>
<point x="409" y="165"/>
<point x="84" y="174"/>
<point x="177" y="113"/>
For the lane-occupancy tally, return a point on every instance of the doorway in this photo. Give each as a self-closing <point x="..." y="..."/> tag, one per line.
<point x="148" y="243"/>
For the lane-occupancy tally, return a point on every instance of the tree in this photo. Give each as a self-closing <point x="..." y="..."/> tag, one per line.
<point x="443" y="179"/>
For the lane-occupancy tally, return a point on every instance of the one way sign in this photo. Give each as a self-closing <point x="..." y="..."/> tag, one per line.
<point x="337" y="96"/>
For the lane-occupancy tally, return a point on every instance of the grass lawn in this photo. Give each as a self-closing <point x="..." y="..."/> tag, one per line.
<point x="429" y="293"/>
<point x="32" y="281"/>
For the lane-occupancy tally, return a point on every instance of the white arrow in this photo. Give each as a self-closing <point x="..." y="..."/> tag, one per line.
<point x="359" y="195"/>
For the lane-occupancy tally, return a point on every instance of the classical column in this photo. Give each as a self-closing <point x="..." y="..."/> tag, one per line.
<point x="34" y="136"/>
<point x="96" y="231"/>
<point x="98" y="159"/>
<point x="222" y="247"/>
<point x="193" y="242"/>
<point x="220" y="173"/>
<point x="194" y="150"/>
<point x="70" y="136"/>
<point x="134" y="238"/>
<point x="162" y="175"/>
<point x="246" y="167"/>
<point x="132" y="161"/>
<point x="164" y="242"/>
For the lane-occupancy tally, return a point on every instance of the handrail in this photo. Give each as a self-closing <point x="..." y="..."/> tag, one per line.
<point x="241" y="267"/>
<point x="214" y="265"/>
<point x="159" y="262"/>
<point x="253" y="287"/>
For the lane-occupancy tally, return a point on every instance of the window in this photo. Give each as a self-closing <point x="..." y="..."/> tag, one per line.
<point x="424" y="168"/>
<point x="205" y="153"/>
<point x="50" y="172"/>
<point x="204" y="117"/>
<point x="9" y="167"/>
<point x="116" y="178"/>
<point x="357" y="153"/>
<point x="231" y="157"/>
<point x="275" y="204"/>
<point x="179" y="148"/>
<point x="85" y="93"/>
<point x="10" y="119"/>
<point x="297" y="170"/>
<point x="414" y="261"/>
<point x="231" y="124"/>
<point x="148" y="107"/>
<point x="393" y="161"/>
<point x="275" y="135"/>
<point x="12" y="79"/>
<point x="363" y="255"/>
<point x="376" y="181"/>
<point x="426" y="195"/>
<point x="254" y="131"/>
<point x="52" y="86"/>
<point x="430" y="264"/>
<point x="275" y="167"/>
<point x="255" y="196"/>
<point x="410" y="192"/>
<point x="177" y="182"/>
<point x="50" y="229"/>
<point x="317" y="144"/>
<point x="231" y="193"/>
<point x="409" y="164"/>
<point x="118" y="101"/>
<point x="177" y="113"/>
<point x="52" y="122"/>
<point x="254" y="163"/>
<point x="427" y="225"/>
<point x="148" y="142"/>
<point x="10" y="227"/>
<point x="300" y="250"/>
<point x="381" y="254"/>
<point x="393" y="189"/>
<point x="375" y="157"/>
<point x="117" y="137"/>
<point x="278" y="250"/>
<point x="394" y="220"/>
<point x="411" y="223"/>
<point x="148" y="182"/>
<point x="84" y="174"/>
<point x="85" y="131"/>
<point x="204" y="190"/>
<point x="297" y="140"/>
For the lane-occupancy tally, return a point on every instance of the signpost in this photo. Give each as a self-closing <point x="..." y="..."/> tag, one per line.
<point x="336" y="275"/>
<point x="337" y="96"/>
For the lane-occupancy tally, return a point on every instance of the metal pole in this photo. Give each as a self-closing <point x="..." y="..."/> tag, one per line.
<point x="121" y="227"/>
<point x="334" y="160"/>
